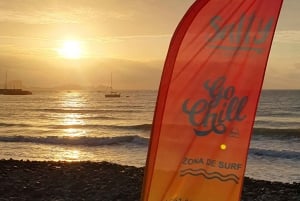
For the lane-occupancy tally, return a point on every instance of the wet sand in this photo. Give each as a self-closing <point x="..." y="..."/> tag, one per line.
<point x="60" y="181"/>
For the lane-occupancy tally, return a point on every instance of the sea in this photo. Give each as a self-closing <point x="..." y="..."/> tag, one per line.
<point x="86" y="126"/>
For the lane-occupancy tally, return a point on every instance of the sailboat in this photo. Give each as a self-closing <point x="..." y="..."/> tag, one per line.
<point x="111" y="93"/>
<point x="16" y="90"/>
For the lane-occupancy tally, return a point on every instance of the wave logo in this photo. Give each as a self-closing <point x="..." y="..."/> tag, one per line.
<point x="248" y="33"/>
<point x="211" y="115"/>
<point x="210" y="175"/>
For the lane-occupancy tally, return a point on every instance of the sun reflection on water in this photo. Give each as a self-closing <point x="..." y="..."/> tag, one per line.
<point x="72" y="120"/>
<point x="73" y="100"/>
<point x="68" y="155"/>
<point x="72" y="154"/>
<point x="73" y="132"/>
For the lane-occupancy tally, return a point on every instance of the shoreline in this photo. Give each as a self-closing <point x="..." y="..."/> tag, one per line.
<point x="63" y="181"/>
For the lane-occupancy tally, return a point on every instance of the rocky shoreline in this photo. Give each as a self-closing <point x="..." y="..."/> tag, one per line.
<point x="65" y="181"/>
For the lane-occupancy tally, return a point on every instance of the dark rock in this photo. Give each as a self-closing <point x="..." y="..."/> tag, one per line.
<point x="80" y="181"/>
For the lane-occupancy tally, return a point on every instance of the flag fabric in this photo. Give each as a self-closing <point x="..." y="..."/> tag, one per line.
<point x="207" y="101"/>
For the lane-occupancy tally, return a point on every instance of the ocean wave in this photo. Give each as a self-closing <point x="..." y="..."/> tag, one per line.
<point x="284" y="154"/>
<point x="138" y="127"/>
<point x="100" y="118"/>
<point x="86" y="111"/>
<point x="280" y="114"/>
<point x="14" y="125"/>
<point x="78" y="141"/>
<point x="277" y="132"/>
<point x="144" y="127"/>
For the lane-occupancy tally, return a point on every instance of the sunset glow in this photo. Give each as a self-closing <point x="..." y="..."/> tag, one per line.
<point x="57" y="43"/>
<point x="71" y="49"/>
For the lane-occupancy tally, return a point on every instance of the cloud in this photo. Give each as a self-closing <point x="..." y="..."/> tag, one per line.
<point x="80" y="11"/>
<point x="297" y="66"/>
<point x="113" y="17"/>
<point x="128" y="74"/>
<point x="280" y="75"/>
<point x="291" y="37"/>
<point x="49" y="16"/>
<point x="289" y="16"/>
<point x="51" y="11"/>
<point x="128" y="38"/>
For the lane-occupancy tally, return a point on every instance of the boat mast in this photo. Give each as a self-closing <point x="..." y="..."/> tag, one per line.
<point x="5" y="84"/>
<point x="111" y="81"/>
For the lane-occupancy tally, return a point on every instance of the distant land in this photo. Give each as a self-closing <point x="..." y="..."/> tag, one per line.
<point x="73" y="86"/>
<point x="64" y="87"/>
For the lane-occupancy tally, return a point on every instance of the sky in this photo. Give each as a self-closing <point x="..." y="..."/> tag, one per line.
<point x="57" y="42"/>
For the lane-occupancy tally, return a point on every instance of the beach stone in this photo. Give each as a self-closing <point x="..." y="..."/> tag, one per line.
<point x="36" y="181"/>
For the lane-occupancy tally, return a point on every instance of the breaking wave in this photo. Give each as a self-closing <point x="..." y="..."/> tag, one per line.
<point x="14" y="125"/>
<point x="284" y="154"/>
<point x="86" y="111"/>
<point x="78" y="141"/>
<point x="278" y="133"/>
<point x="95" y="126"/>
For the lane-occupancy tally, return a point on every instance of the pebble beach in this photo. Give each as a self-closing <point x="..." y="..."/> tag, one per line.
<point x="103" y="181"/>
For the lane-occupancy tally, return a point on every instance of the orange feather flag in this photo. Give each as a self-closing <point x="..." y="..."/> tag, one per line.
<point x="208" y="96"/>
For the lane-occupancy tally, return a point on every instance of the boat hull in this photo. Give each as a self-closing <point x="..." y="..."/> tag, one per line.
<point x="113" y="95"/>
<point x="14" y="92"/>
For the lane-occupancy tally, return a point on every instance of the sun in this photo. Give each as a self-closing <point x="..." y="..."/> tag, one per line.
<point x="70" y="49"/>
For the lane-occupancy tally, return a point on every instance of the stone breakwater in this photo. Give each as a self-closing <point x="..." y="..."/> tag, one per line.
<point x="72" y="181"/>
